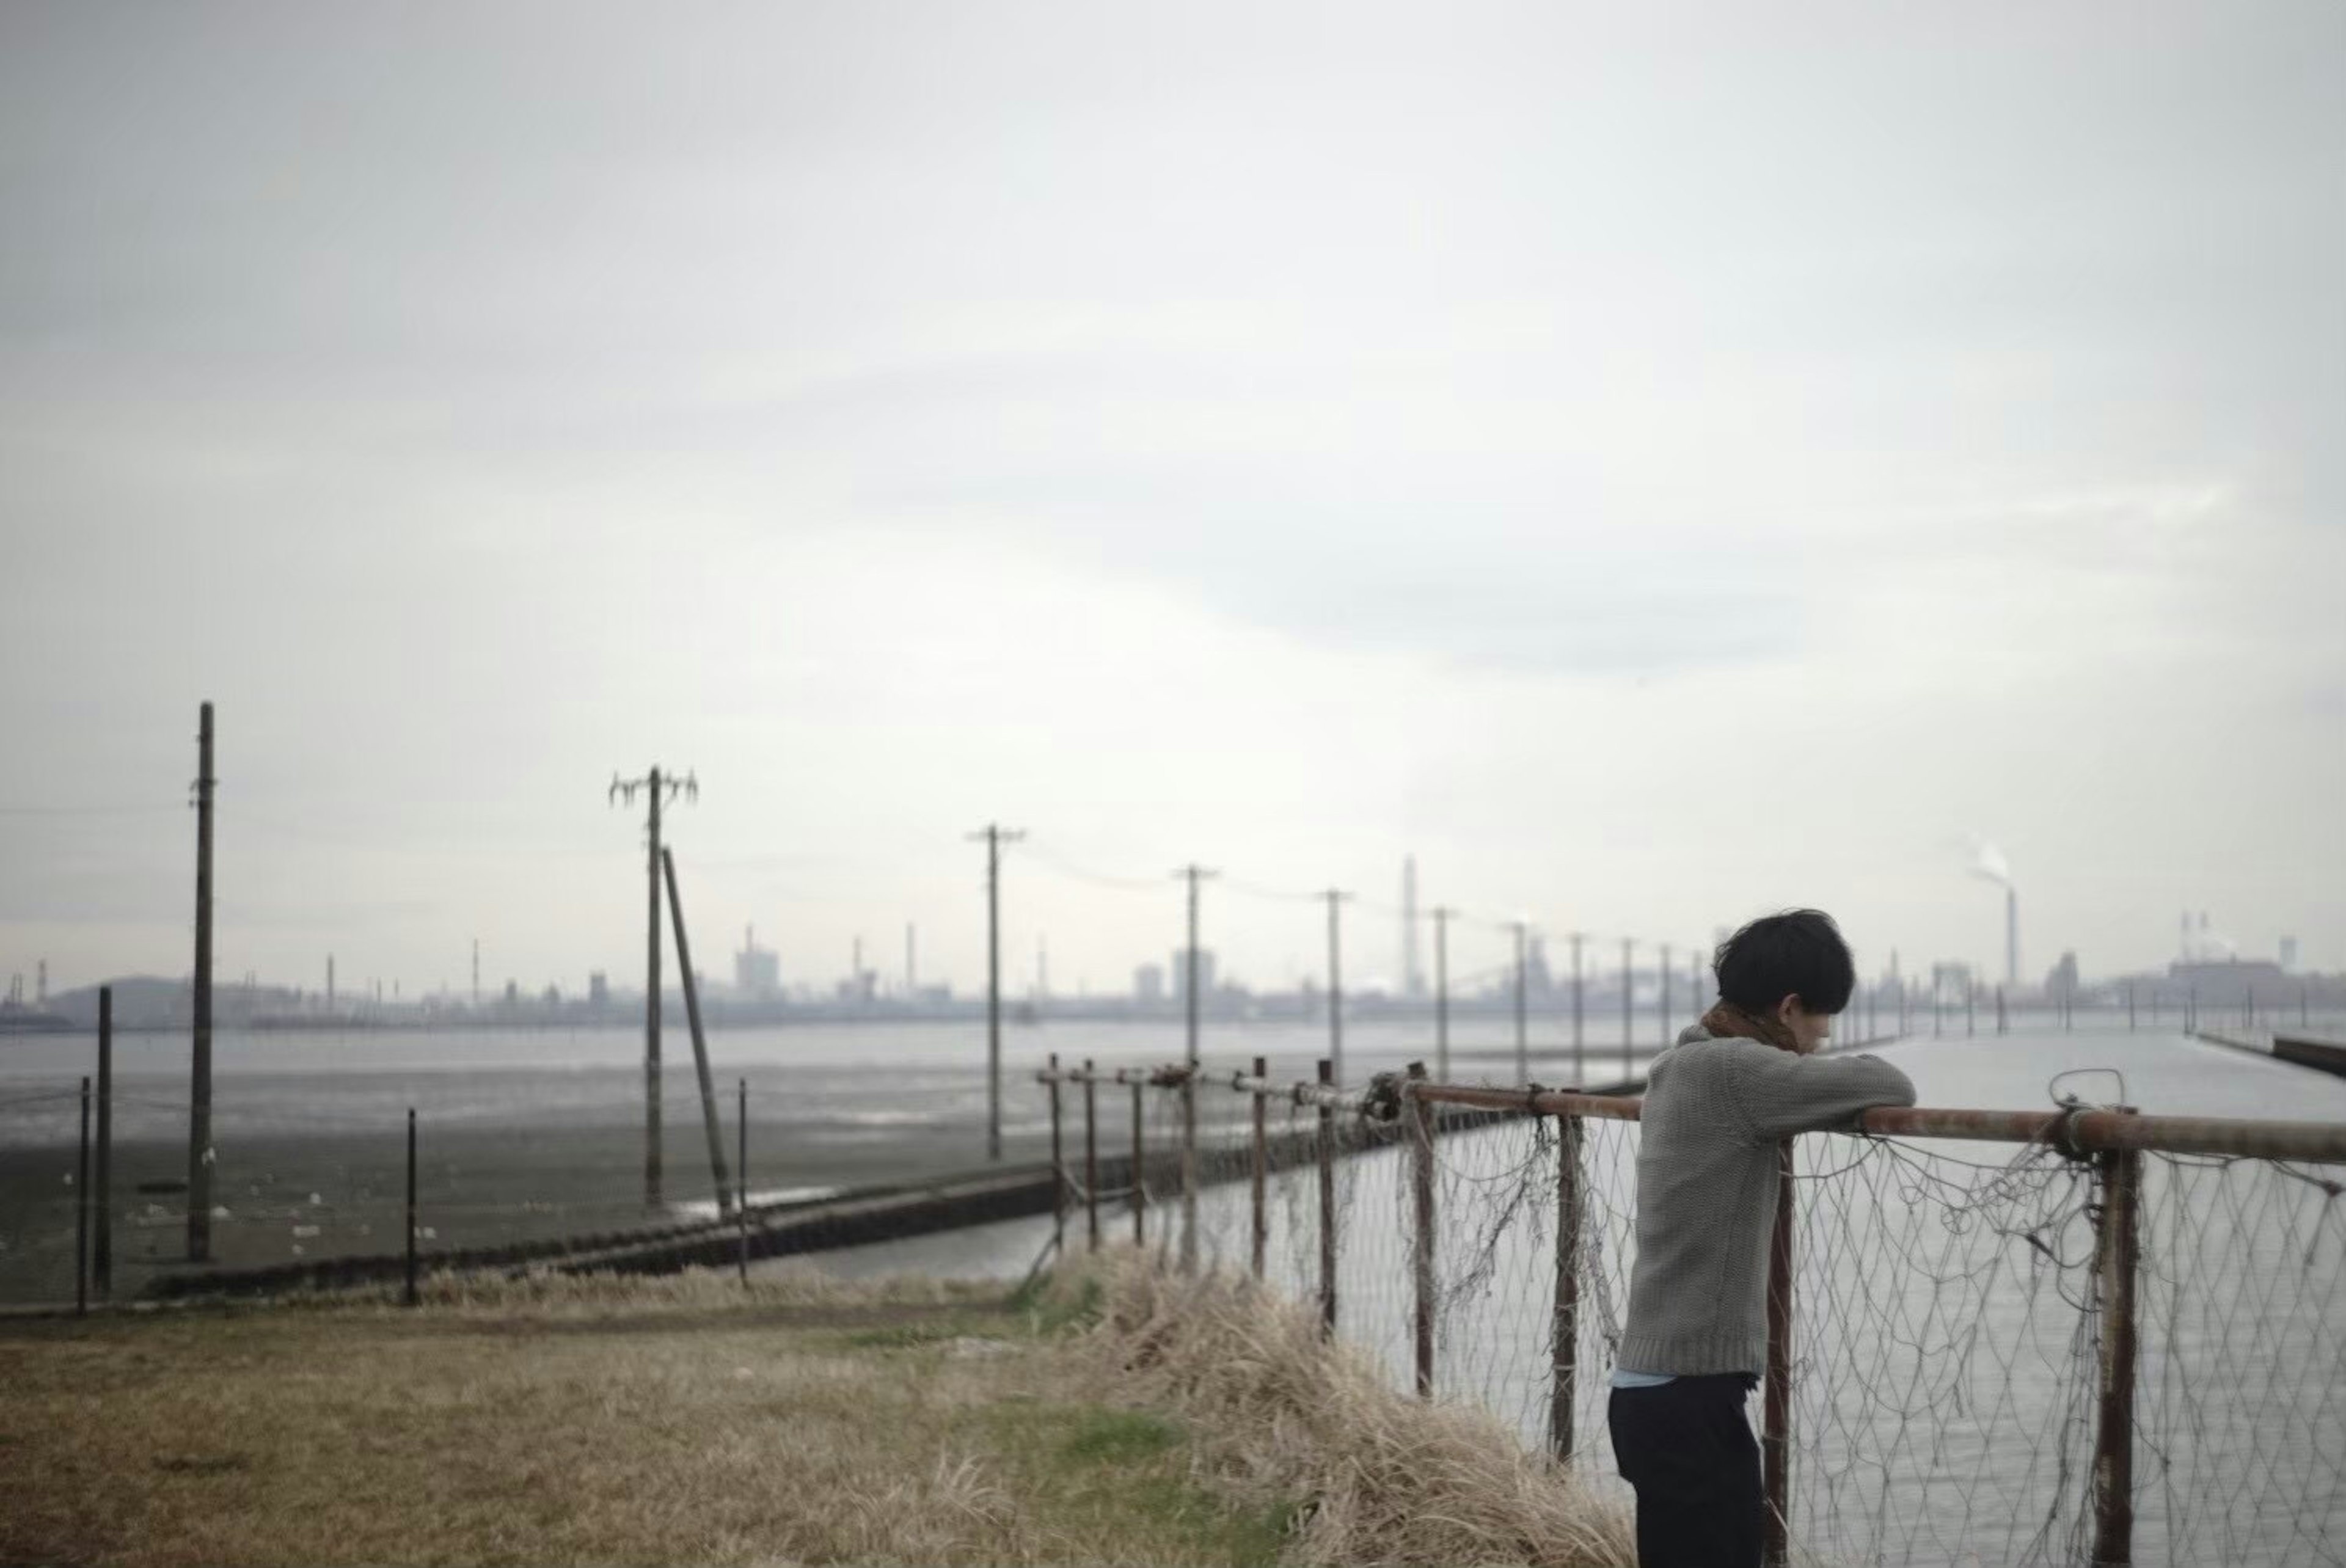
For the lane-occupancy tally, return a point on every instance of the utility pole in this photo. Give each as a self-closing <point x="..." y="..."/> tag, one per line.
<point x="1442" y="991"/>
<point x="1335" y="981"/>
<point x="200" y="1099"/>
<point x="1523" y="1032"/>
<point x="659" y="789"/>
<point x="995" y="836"/>
<point x="1579" y="1047"/>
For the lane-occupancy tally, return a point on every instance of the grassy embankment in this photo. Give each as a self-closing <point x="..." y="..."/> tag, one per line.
<point x="1121" y="1416"/>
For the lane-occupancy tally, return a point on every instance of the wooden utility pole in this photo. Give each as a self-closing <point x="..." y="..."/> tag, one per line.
<point x="699" y="1043"/>
<point x="995" y="836"/>
<point x="1335" y="984"/>
<point x="659" y="789"/>
<point x="200" y="1097"/>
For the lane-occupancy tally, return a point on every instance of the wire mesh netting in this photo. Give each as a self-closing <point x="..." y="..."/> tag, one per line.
<point x="1946" y="1331"/>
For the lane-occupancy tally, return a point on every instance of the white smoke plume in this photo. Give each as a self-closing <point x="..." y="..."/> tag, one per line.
<point x="1988" y="863"/>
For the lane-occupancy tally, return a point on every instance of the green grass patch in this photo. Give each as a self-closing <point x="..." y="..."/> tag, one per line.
<point x="1118" y="1437"/>
<point x="1083" y="1466"/>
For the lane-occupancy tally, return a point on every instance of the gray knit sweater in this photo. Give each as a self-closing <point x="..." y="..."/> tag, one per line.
<point x="1715" y="1111"/>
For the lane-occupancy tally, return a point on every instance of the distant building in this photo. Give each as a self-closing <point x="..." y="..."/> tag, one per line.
<point x="2061" y="983"/>
<point x="2289" y="955"/>
<point x="1181" y="971"/>
<point x="1149" y="983"/>
<point x="1953" y="981"/>
<point x="2228" y="980"/>
<point x="598" y="990"/>
<point x="757" y="970"/>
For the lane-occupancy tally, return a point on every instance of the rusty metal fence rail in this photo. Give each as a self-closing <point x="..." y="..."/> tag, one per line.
<point x="2084" y="1336"/>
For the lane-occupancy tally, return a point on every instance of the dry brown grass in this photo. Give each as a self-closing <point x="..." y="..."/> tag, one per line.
<point x="1383" y="1478"/>
<point x="559" y="1421"/>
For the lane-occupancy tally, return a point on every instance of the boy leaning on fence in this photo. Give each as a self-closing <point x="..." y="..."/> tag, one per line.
<point x="1717" y="1104"/>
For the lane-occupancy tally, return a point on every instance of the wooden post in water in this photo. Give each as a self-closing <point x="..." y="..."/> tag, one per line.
<point x="1091" y="1157"/>
<point x="1327" y="1204"/>
<point x="199" y="1094"/>
<point x="1262" y="1234"/>
<point x="2117" y="1244"/>
<point x="81" y="1212"/>
<point x="1579" y="1018"/>
<point x="1421" y="1117"/>
<point x="101" y="1262"/>
<point x="1628" y="992"/>
<point x="652" y="1015"/>
<point x="1776" y="1434"/>
<point x="1662" y="996"/>
<point x="1441" y="993"/>
<point x="1140" y="1167"/>
<point x="699" y="1043"/>
<point x="1189" y="1170"/>
<point x="741" y="1174"/>
<point x="1523" y="1015"/>
<point x="1563" y="1372"/>
<point x="1059" y="1167"/>
<point x="410" y="1297"/>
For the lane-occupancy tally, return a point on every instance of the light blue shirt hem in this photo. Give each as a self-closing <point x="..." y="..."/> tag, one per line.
<point x="1623" y="1377"/>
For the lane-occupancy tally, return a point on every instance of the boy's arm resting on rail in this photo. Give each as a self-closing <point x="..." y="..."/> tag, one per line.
<point x="1782" y="1093"/>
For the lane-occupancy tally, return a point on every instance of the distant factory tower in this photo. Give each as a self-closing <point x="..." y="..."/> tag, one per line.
<point x="2010" y="936"/>
<point x="1413" y="980"/>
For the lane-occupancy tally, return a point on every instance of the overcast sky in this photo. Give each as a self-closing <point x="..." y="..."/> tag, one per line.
<point x="1655" y="463"/>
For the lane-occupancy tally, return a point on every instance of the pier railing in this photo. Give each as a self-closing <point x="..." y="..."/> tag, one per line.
<point x="2079" y="1335"/>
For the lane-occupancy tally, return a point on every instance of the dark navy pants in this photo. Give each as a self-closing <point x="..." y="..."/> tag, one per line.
<point x="1688" y="1449"/>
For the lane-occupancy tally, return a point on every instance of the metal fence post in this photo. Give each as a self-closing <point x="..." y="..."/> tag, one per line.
<point x="1261" y="1170"/>
<point x="1564" y="1358"/>
<point x="1139" y="1165"/>
<point x="1775" y="1442"/>
<point x="2116" y="1253"/>
<point x="1327" y="1204"/>
<point x="1999" y="1010"/>
<point x="1971" y="1008"/>
<point x="2129" y="1009"/>
<point x="1091" y="1157"/>
<point x="410" y="1298"/>
<point x="1421" y="1114"/>
<point x="1058" y="1168"/>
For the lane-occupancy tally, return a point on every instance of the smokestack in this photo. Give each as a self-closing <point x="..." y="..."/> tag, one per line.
<point x="1411" y="983"/>
<point x="2010" y="936"/>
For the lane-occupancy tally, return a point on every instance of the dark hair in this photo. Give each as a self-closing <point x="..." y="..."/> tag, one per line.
<point x="1798" y="952"/>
